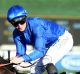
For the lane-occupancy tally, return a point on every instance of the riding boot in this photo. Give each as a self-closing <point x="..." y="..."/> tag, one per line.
<point x="51" y="69"/>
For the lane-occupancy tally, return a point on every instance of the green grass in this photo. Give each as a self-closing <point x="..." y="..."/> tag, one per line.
<point x="60" y="71"/>
<point x="44" y="7"/>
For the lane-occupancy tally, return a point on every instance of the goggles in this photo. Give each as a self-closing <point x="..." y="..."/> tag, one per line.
<point x="17" y="21"/>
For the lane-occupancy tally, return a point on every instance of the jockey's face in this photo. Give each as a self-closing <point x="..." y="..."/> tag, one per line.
<point x="19" y="23"/>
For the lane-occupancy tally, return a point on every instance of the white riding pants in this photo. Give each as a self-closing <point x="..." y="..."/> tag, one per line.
<point x="59" y="49"/>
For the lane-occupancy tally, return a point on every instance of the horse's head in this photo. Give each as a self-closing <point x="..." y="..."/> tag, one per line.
<point x="9" y="69"/>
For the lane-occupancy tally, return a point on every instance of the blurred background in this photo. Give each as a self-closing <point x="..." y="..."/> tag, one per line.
<point x="64" y="12"/>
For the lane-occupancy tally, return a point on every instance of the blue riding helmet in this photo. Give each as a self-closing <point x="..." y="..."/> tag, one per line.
<point x="16" y="11"/>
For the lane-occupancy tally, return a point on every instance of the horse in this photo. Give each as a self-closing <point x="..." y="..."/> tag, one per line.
<point x="8" y="69"/>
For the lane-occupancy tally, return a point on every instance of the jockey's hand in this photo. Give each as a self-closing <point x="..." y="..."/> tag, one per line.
<point x="17" y="60"/>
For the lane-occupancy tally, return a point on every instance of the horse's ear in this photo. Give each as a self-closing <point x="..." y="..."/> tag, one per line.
<point x="3" y="61"/>
<point x="1" y="57"/>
